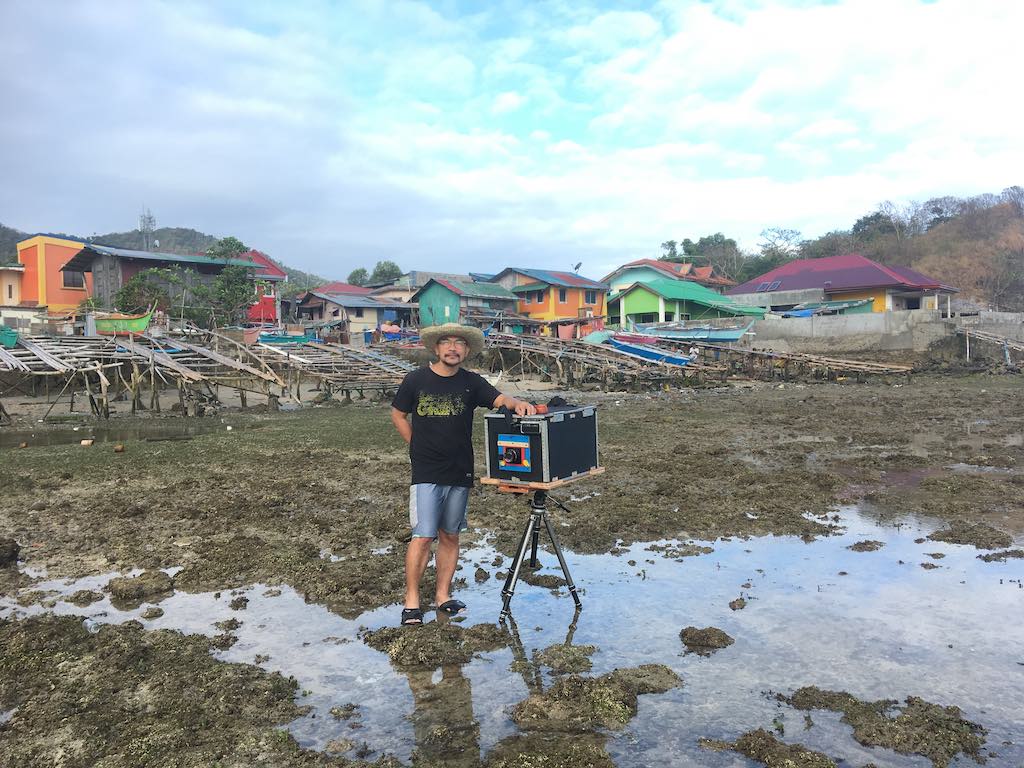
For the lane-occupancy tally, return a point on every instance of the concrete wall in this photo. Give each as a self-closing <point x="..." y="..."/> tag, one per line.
<point x="912" y="330"/>
<point x="1009" y="325"/>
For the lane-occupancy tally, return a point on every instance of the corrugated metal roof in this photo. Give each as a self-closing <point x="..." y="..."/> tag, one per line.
<point x="835" y="274"/>
<point x="564" y="279"/>
<point x="687" y="290"/>
<point x="359" y="300"/>
<point x="678" y="270"/>
<point x="477" y="290"/>
<point x="82" y="261"/>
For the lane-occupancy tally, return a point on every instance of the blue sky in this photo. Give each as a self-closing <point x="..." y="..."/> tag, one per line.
<point x="462" y="136"/>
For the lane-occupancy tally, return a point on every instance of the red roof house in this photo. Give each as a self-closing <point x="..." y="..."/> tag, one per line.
<point x="648" y="269"/>
<point x="843" y="278"/>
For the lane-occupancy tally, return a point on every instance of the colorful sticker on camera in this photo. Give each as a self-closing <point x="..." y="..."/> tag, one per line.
<point x="514" y="453"/>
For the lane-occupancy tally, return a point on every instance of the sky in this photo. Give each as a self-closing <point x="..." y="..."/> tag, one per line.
<point x="465" y="136"/>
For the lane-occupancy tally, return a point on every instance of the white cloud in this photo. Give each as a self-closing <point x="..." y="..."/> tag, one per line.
<point x="509" y="101"/>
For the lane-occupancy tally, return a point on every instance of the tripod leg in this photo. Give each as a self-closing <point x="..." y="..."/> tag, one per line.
<point x="561" y="562"/>
<point x="533" y="546"/>
<point x="513" y="574"/>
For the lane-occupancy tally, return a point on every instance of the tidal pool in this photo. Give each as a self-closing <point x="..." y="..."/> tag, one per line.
<point x="874" y="623"/>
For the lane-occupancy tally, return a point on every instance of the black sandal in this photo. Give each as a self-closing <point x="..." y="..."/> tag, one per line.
<point x="412" y="617"/>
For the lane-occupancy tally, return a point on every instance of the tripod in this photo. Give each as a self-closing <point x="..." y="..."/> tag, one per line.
<point x="531" y="537"/>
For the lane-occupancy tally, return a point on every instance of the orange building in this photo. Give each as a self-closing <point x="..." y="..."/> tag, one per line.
<point x="547" y="295"/>
<point x="43" y="283"/>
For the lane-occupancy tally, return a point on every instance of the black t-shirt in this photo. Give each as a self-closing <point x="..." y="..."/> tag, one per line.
<point x="441" y="450"/>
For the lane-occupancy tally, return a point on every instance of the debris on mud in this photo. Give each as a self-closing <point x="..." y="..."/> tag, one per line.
<point x="575" y="704"/>
<point x="929" y="566"/>
<point x="679" y="551"/>
<point x="977" y="535"/>
<point x="1002" y="556"/>
<point x="84" y="597"/>
<point x="228" y="625"/>
<point x="762" y="747"/>
<point x="435" y="643"/>
<point x="345" y="711"/>
<point x="705" y="641"/>
<point x="148" y="584"/>
<point x="935" y="555"/>
<point x="921" y="728"/>
<point x="9" y="550"/>
<point x="239" y="603"/>
<point x="868" y="545"/>
<point x="550" y="750"/>
<point x="564" y="659"/>
<point x="223" y="641"/>
<point x="144" y="692"/>
<point x="480" y="575"/>
<point x="738" y="604"/>
<point x="546" y="580"/>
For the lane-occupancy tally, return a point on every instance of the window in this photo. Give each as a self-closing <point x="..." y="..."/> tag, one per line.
<point x="561" y="295"/>
<point x="73" y="279"/>
<point x="762" y="287"/>
<point x="538" y="297"/>
<point x="10" y="291"/>
<point x="359" y="311"/>
<point x="669" y="317"/>
<point x="590" y="297"/>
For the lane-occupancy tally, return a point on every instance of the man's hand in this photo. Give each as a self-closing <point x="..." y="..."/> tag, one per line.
<point x="523" y="408"/>
<point x="518" y="407"/>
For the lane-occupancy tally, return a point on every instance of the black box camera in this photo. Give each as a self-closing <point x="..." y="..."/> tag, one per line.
<point x="548" y="447"/>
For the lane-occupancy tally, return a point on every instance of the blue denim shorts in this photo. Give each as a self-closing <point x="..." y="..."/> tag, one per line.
<point x="433" y="507"/>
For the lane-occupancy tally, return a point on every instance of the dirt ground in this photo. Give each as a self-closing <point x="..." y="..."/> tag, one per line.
<point x="305" y="497"/>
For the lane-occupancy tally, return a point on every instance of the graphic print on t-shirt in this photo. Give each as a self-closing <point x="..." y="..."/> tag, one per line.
<point x="440" y="405"/>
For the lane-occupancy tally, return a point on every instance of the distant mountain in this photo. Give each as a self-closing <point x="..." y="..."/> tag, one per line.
<point x="172" y="240"/>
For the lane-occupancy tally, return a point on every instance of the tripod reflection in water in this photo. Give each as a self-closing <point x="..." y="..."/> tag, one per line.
<point x="445" y="729"/>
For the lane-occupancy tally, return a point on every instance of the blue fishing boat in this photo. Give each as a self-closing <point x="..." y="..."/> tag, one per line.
<point x="649" y="353"/>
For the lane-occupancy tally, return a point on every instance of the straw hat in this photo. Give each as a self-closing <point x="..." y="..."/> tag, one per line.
<point x="473" y="336"/>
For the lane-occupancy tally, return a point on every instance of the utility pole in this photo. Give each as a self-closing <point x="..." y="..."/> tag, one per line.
<point x="147" y="224"/>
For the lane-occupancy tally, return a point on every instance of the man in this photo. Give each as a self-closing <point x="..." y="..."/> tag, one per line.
<point x="433" y="412"/>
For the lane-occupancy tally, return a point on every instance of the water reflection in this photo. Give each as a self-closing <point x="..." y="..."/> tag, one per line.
<point x="875" y="624"/>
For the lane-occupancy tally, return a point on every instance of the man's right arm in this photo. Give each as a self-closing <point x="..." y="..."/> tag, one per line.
<point x="401" y="421"/>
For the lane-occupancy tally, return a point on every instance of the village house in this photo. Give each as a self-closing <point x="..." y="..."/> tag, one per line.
<point x="403" y="288"/>
<point x="45" y="282"/>
<point x="666" y="300"/>
<point x="646" y="270"/>
<point x="107" y="269"/>
<point x="546" y="295"/>
<point x="452" y="301"/>
<point x="851" y="278"/>
<point x="352" y="313"/>
<point x="13" y="313"/>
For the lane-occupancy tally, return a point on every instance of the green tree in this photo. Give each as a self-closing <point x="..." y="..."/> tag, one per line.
<point x="833" y="243"/>
<point x="145" y="289"/>
<point x="228" y="295"/>
<point x="385" y="271"/>
<point x="358" y="277"/>
<point x="669" y="251"/>
<point x="227" y="248"/>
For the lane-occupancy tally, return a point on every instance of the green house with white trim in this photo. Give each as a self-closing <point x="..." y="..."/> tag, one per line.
<point x="451" y="301"/>
<point x="664" y="300"/>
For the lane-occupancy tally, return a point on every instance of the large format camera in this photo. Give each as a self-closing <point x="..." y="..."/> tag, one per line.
<point x="546" y="448"/>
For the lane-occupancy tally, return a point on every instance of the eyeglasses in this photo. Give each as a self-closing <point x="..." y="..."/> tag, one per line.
<point x="456" y="342"/>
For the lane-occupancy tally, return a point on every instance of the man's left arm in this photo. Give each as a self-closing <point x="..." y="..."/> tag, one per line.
<point x="519" y="407"/>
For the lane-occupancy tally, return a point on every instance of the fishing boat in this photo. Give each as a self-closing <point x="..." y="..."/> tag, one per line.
<point x="707" y="332"/>
<point x="117" y="324"/>
<point x="649" y="353"/>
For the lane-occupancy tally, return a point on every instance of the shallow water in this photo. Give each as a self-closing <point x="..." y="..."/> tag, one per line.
<point x="887" y="629"/>
<point x="152" y="430"/>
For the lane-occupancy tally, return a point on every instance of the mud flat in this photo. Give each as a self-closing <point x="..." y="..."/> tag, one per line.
<point x="708" y="494"/>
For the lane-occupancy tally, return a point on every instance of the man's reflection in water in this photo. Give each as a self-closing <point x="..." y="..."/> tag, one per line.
<point x="446" y="732"/>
